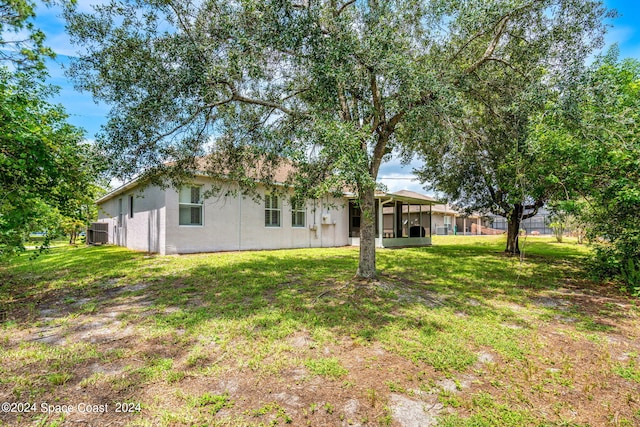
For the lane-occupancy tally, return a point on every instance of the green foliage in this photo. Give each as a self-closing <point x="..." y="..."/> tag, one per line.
<point x="331" y="88"/>
<point x="630" y="273"/>
<point x="488" y="158"/>
<point x="599" y="142"/>
<point x="23" y="53"/>
<point x="45" y="167"/>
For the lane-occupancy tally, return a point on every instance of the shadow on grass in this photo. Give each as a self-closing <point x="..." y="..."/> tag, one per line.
<point x="303" y="286"/>
<point x="439" y="306"/>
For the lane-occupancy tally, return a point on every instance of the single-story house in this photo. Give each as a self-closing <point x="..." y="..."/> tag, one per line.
<point x="175" y="221"/>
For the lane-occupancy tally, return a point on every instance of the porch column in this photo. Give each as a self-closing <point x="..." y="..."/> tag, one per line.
<point x="464" y="226"/>
<point x="380" y="220"/>
<point x="394" y="226"/>
<point x="398" y="224"/>
<point x="430" y="221"/>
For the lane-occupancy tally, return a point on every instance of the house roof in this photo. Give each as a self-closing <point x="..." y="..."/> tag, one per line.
<point x="404" y="196"/>
<point x="280" y="175"/>
<point x="123" y="188"/>
<point x="413" y="198"/>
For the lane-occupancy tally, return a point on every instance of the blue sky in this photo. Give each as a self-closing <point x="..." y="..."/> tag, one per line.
<point x="85" y="113"/>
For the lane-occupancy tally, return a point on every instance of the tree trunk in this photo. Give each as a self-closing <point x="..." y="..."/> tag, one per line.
<point x="367" y="264"/>
<point x="513" y="230"/>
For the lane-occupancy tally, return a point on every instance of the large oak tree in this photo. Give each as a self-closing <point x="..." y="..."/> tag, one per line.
<point x="488" y="158"/>
<point x="334" y="87"/>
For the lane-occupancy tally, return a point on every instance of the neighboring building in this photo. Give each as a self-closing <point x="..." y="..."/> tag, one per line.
<point x="447" y="221"/>
<point x="537" y="224"/>
<point x="169" y="221"/>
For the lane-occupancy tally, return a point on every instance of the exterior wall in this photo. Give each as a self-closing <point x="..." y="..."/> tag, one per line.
<point x="236" y="223"/>
<point x="437" y="223"/>
<point x="145" y="230"/>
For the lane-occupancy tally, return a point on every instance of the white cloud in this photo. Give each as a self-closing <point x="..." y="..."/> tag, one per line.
<point x="61" y="44"/>
<point x="397" y="176"/>
<point x="619" y="35"/>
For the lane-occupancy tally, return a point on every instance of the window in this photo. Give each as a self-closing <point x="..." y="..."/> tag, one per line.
<point x="447" y="222"/>
<point x="271" y="211"/>
<point x="130" y="206"/>
<point x="355" y="217"/>
<point x="120" y="212"/>
<point x="298" y="215"/>
<point x="190" y="207"/>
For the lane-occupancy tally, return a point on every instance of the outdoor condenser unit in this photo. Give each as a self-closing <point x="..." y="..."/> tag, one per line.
<point x="98" y="232"/>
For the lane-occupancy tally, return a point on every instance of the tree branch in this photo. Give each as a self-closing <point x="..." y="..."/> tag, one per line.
<point x="508" y="64"/>
<point x="378" y="108"/>
<point x="467" y="43"/>
<point x="488" y="53"/>
<point x="393" y="122"/>
<point x="343" y="7"/>
<point x="344" y="106"/>
<point x="534" y="209"/>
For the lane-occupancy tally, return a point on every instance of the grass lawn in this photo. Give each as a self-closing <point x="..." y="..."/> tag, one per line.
<point x="457" y="334"/>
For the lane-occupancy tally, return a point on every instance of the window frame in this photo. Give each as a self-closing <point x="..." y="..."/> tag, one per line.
<point x="131" y="206"/>
<point x="298" y="208"/>
<point x="200" y="205"/>
<point x="269" y="209"/>
<point x="120" y="212"/>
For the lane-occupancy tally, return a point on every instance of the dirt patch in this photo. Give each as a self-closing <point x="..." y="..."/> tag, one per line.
<point x="579" y="355"/>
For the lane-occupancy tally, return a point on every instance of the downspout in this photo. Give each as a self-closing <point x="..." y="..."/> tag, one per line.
<point x="240" y="221"/>
<point x="321" y="227"/>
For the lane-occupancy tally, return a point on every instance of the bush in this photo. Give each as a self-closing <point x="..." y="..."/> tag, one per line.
<point x="619" y="259"/>
<point x="630" y="274"/>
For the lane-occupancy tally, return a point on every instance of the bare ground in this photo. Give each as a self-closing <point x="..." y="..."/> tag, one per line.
<point x="568" y="380"/>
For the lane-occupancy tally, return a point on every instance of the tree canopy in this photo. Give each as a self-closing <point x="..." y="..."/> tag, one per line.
<point x="333" y="87"/>
<point x="488" y="158"/>
<point x="21" y="43"/>
<point x="599" y="144"/>
<point x="45" y="167"/>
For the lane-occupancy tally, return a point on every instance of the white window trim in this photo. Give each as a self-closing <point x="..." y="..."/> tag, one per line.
<point x="120" y="220"/>
<point x="294" y="211"/>
<point x="201" y="205"/>
<point x="270" y="209"/>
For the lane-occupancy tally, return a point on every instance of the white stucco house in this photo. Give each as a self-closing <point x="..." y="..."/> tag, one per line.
<point x="177" y="221"/>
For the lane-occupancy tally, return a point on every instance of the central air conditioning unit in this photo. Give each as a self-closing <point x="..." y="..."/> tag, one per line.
<point x="326" y="219"/>
<point x="98" y="232"/>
